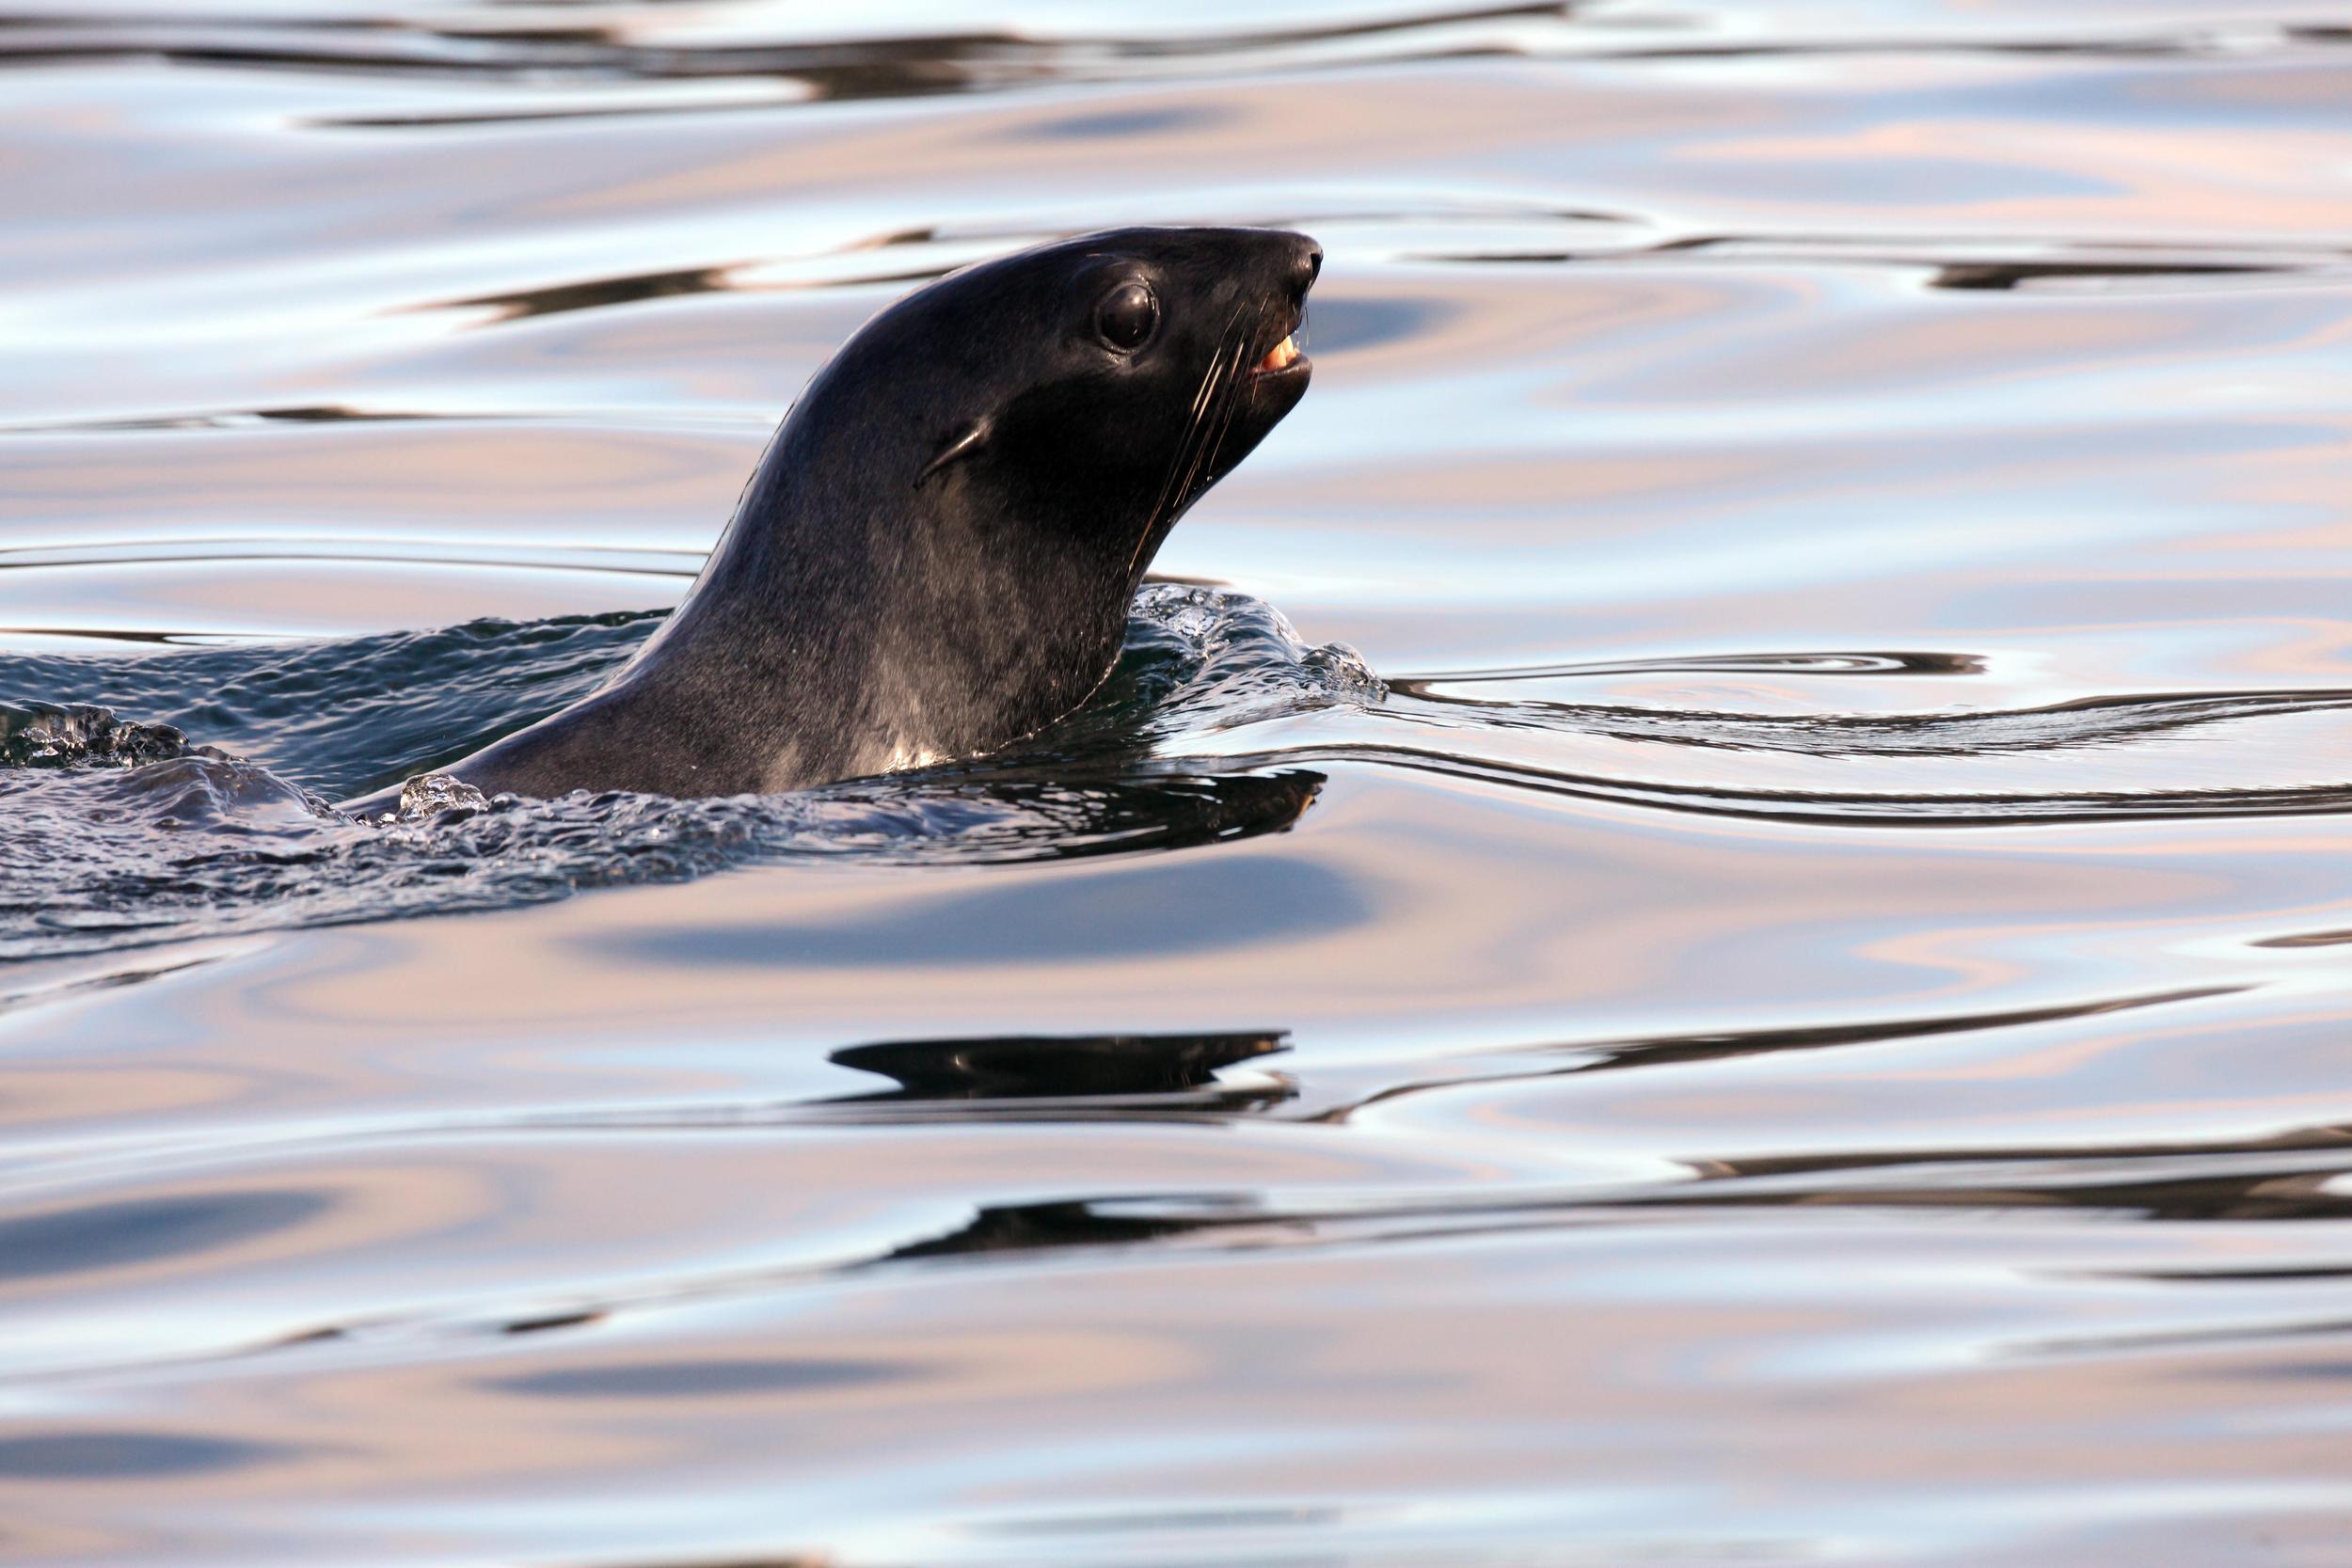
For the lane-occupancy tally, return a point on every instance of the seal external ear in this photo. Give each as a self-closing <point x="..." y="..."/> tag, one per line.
<point x="963" y="446"/>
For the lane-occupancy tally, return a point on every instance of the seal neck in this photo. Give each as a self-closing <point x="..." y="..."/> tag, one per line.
<point x="855" y="631"/>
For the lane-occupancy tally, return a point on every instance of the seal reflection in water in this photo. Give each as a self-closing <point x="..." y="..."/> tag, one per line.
<point x="936" y="553"/>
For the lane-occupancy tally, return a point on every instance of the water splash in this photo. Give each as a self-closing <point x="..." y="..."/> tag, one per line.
<point x="83" y="734"/>
<point x="128" y="833"/>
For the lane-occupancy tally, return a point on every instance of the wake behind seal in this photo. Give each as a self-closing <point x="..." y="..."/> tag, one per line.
<point x="935" y="555"/>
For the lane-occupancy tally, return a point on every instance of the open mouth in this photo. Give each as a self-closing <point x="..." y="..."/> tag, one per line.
<point x="1288" y="354"/>
<point x="1281" y="356"/>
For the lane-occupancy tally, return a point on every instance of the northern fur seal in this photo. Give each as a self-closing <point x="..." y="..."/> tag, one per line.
<point x="935" y="555"/>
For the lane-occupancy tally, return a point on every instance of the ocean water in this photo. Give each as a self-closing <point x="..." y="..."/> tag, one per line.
<point x="1710" y="920"/>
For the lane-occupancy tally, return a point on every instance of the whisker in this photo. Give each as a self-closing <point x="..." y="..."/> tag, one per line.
<point x="1221" y="416"/>
<point x="1170" y="488"/>
<point x="1221" y="413"/>
<point x="1192" y="425"/>
<point x="1232" y="399"/>
<point x="1185" y="460"/>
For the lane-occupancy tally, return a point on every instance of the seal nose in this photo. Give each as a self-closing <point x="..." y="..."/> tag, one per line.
<point x="1305" y="265"/>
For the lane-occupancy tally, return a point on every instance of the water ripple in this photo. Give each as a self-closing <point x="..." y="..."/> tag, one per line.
<point x="249" y="842"/>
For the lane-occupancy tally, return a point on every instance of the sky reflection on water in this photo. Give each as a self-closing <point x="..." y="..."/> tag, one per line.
<point x="1808" y="1021"/>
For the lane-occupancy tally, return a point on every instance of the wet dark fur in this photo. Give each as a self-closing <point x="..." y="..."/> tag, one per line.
<point x="936" y="553"/>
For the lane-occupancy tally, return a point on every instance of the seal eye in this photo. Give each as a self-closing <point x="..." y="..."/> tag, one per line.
<point x="1127" y="316"/>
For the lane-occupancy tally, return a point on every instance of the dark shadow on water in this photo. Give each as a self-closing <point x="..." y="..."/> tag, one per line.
<point x="2310" y="939"/>
<point x="1996" y="275"/>
<point x="1043" y="1227"/>
<point x="1200" y="906"/>
<point x="146" y="1230"/>
<point x="123" y="1456"/>
<point x="2292" y="1176"/>
<point x="2080" y="722"/>
<point x="1668" y="1049"/>
<point x="1100" y="125"/>
<point x="703" y="1380"/>
<point x="1423" y="685"/>
<point x="552" y="1322"/>
<point x="2233" y="1197"/>
<point x="241" y="418"/>
<point x="902" y="67"/>
<point x="2221" y="1183"/>
<point x="596" y="292"/>
<point x="1031" y="1067"/>
<point x="826" y="71"/>
<point x="2123" y="263"/>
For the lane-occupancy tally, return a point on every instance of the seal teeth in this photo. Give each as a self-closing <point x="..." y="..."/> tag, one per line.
<point x="1282" y="354"/>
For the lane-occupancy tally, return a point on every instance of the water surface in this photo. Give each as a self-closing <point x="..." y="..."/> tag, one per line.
<point x="1708" y="922"/>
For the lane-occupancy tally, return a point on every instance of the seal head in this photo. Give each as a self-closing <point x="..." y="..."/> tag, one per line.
<point x="935" y="555"/>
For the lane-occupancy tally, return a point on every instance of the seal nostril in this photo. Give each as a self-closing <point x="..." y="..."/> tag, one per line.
<point x="1308" y="267"/>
